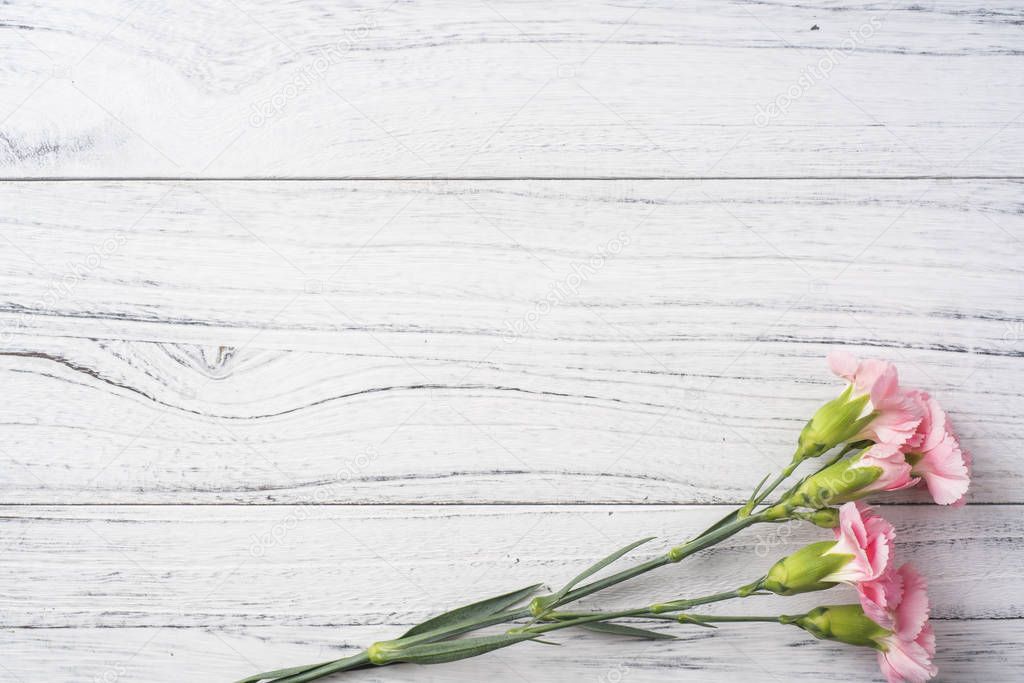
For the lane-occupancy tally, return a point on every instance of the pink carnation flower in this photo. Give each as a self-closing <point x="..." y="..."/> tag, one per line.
<point x="860" y="554"/>
<point x="896" y="472"/>
<point x="881" y="595"/>
<point x="866" y="537"/>
<point x="896" y="625"/>
<point x="935" y="453"/>
<point x="908" y="650"/>
<point x="881" y="467"/>
<point x="897" y="415"/>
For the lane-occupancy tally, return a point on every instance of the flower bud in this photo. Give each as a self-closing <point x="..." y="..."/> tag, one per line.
<point x="837" y="421"/>
<point x="837" y="483"/>
<point x="808" y="569"/>
<point x="880" y="467"/>
<point x="826" y="518"/>
<point x="843" y="623"/>
<point x="861" y="553"/>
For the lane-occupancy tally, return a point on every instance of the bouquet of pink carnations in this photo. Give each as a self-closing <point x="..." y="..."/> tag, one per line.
<point x="883" y="437"/>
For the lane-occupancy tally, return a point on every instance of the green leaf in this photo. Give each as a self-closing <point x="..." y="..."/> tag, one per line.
<point x="687" y="619"/>
<point x="593" y="569"/>
<point x="728" y="519"/>
<point x="452" y="650"/>
<point x="752" y="501"/>
<point x="281" y="673"/>
<point x="628" y="631"/>
<point x="547" y="642"/>
<point x="476" y="610"/>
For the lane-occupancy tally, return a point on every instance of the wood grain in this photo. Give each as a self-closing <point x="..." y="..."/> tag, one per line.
<point x="219" y="592"/>
<point x="452" y="342"/>
<point x="492" y="89"/>
<point x="268" y="399"/>
<point x="316" y="565"/>
<point x="970" y="652"/>
<point x="311" y="265"/>
<point x="103" y="421"/>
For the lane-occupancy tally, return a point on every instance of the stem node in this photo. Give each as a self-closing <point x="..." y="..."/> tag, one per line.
<point x="379" y="652"/>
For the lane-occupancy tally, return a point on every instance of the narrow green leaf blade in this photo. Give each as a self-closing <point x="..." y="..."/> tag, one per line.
<point x="728" y="519"/>
<point x="281" y="673"/>
<point x="628" y="631"/>
<point x="452" y="650"/>
<point x="595" y="568"/>
<point x="685" y="619"/>
<point x="484" y="608"/>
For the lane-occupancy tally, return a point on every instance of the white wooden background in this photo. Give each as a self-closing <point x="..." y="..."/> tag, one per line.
<point x="301" y="340"/>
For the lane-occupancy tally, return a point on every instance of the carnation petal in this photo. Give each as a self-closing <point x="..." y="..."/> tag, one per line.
<point x="912" y="611"/>
<point x="944" y="471"/>
<point x="968" y="463"/>
<point x="843" y="364"/>
<point x="879" y="597"/>
<point x="867" y="538"/>
<point x="906" y="662"/>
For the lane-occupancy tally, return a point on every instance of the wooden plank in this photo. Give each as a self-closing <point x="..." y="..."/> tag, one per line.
<point x="346" y="348"/>
<point x="968" y="651"/>
<point x="297" y="342"/>
<point x="428" y="261"/>
<point x="99" y="421"/>
<point x="225" y="567"/>
<point x="503" y="89"/>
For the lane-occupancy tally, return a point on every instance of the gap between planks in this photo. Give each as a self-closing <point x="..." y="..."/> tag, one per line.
<point x="524" y="178"/>
<point x="466" y="504"/>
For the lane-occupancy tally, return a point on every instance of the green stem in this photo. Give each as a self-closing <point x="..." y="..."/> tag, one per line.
<point x="712" y="618"/>
<point x="711" y="537"/>
<point x="680" y="605"/>
<point x="785" y="474"/>
<point x="672" y="556"/>
<point x="585" y="619"/>
<point x="567" y="619"/>
<point x="362" y="659"/>
<point x="755" y="500"/>
<point x="618" y="577"/>
<point x="357" y="661"/>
